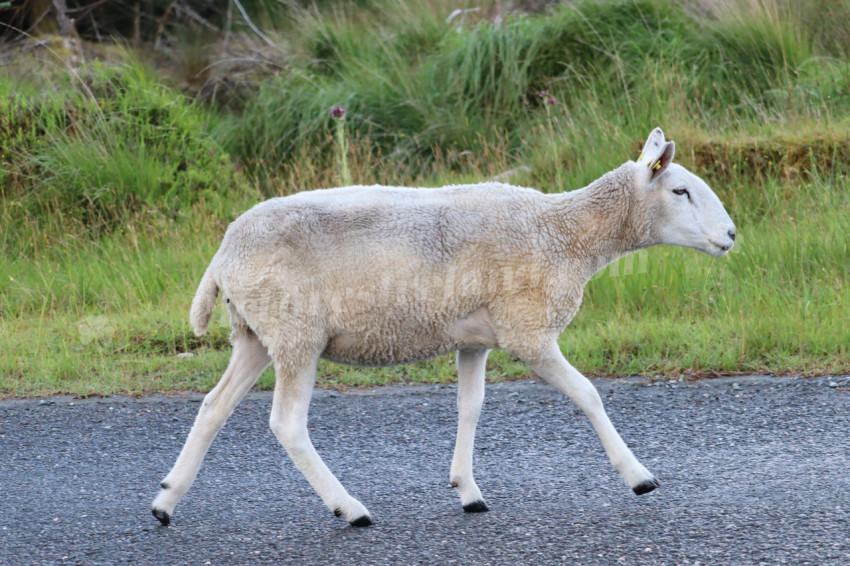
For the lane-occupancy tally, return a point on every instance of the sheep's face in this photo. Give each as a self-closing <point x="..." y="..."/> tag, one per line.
<point x="688" y="213"/>
<point x="684" y="211"/>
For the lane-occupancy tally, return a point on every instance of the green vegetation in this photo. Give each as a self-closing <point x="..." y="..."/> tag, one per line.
<point x="116" y="187"/>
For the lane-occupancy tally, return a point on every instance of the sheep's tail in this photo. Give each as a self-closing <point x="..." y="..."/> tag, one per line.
<point x="203" y="303"/>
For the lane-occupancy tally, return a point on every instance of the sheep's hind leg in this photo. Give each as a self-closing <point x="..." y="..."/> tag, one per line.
<point x="555" y="369"/>
<point x="247" y="362"/>
<point x="288" y="421"/>
<point x="470" y="398"/>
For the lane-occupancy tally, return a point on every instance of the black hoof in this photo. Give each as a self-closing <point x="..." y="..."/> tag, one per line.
<point x="646" y="486"/>
<point x="476" y="507"/>
<point x="162" y="516"/>
<point x="363" y="521"/>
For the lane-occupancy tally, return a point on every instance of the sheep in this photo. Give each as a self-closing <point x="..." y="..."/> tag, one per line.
<point x="380" y="276"/>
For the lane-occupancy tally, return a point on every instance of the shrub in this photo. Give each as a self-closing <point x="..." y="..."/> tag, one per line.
<point x="103" y="149"/>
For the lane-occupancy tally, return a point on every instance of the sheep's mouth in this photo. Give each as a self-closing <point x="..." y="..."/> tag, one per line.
<point x="721" y="249"/>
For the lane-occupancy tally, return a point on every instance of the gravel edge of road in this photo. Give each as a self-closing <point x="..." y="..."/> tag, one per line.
<point x="835" y="381"/>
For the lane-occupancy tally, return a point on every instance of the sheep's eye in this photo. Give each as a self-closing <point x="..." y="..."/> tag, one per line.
<point x="681" y="192"/>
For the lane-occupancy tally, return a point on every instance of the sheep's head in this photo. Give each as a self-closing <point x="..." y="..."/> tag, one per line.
<point x="684" y="210"/>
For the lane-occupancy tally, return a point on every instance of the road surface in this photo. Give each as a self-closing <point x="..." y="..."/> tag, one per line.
<point x="754" y="470"/>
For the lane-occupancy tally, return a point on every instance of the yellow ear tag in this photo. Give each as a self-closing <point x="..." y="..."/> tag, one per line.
<point x="641" y="156"/>
<point x="657" y="165"/>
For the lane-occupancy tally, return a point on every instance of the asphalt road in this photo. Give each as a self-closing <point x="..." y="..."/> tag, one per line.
<point x="753" y="471"/>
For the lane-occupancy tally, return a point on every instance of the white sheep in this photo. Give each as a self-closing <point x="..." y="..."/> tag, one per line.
<point x="386" y="275"/>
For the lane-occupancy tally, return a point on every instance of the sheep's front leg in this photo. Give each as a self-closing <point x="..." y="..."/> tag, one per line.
<point x="248" y="361"/>
<point x="292" y="393"/>
<point x="555" y="369"/>
<point x="470" y="398"/>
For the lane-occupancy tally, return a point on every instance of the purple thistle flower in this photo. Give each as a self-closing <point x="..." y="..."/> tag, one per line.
<point x="337" y="111"/>
<point x="546" y="97"/>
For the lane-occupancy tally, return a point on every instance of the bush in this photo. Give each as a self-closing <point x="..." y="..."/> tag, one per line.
<point x="103" y="149"/>
<point x="632" y="64"/>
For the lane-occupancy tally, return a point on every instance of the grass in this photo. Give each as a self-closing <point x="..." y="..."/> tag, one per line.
<point x="116" y="188"/>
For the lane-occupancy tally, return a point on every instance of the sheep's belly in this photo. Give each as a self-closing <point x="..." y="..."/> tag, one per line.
<point x="366" y="350"/>
<point x="402" y="340"/>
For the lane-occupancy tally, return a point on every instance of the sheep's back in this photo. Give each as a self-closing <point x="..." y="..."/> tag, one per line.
<point x="337" y="226"/>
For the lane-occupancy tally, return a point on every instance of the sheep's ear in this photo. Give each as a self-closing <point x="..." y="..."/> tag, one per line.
<point x="657" y="154"/>
<point x="660" y="165"/>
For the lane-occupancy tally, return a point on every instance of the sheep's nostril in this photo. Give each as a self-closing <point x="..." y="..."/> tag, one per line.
<point x="732" y="234"/>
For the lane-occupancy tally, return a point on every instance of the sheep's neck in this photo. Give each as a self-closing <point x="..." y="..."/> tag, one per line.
<point x="600" y="223"/>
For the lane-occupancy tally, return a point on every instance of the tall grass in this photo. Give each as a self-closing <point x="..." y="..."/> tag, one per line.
<point x="116" y="189"/>
<point x="108" y="146"/>
<point x="629" y="65"/>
